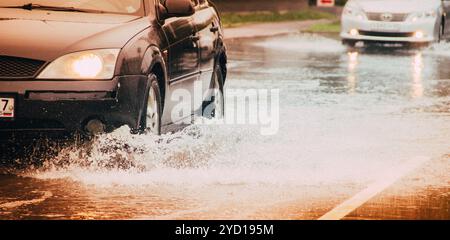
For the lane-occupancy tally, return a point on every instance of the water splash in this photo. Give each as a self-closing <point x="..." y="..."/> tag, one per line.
<point x="305" y="42"/>
<point x="325" y="136"/>
<point x="438" y="49"/>
<point x="145" y="159"/>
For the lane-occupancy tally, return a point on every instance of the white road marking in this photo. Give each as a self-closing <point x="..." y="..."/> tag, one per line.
<point x="45" y="195"/>
<point x="387" y="179"/>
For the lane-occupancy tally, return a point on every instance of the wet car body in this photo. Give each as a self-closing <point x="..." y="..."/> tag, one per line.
<point x="417" y="22"/>
<point x="178" y="50"/>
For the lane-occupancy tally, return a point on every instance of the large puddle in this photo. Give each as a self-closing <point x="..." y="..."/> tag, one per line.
<point x="347" y="118"/>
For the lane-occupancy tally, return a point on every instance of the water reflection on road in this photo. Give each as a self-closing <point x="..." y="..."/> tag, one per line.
<point x="348" y="119"/>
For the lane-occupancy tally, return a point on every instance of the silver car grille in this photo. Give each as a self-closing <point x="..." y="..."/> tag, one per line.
<point x="395" y="17"/>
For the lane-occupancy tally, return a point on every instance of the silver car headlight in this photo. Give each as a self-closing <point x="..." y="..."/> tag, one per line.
<point x="354" y="11"/>
<point x="418" y="16"/>
<point x="92" y="64"/>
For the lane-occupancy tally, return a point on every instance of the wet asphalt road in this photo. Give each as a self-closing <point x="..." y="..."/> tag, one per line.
<point x="364" y="134"/>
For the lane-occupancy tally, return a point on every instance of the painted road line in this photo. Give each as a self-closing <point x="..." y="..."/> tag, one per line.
<point x="386" y="180"/>
<point x="45" y="195"/>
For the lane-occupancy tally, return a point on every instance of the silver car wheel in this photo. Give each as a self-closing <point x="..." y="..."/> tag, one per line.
<point x="152" y="112"/>
<point x="218" y="111"/>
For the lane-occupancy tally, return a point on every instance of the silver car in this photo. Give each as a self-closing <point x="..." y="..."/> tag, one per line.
<point x="417" y="22"/>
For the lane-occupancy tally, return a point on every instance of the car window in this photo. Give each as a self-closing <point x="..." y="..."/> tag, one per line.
<point x="194" y="2"/>
<point x="113" y="6"/>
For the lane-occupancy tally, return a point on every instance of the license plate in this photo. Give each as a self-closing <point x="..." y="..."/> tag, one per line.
<point x="388" y="27"/>
<point x="7" y="107"/>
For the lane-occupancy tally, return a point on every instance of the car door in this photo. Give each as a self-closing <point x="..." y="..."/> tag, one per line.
<point x="446" y="6"/>
<point x="207" y="26"/>
<point x="183" y="63"/>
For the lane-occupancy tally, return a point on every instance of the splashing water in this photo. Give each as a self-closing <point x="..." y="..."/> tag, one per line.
<point x="346" y="120"/>
<point x="325" y="136"/>
<point x="306" y="43"/>
<point x="439" y="49"/>
<point x="120" y="153"/>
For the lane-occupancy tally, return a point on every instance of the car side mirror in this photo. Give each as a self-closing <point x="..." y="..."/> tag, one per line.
<point x="177" y="8"/>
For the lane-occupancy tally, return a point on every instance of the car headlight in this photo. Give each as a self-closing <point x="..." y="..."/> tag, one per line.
<point x="354" y="12"/>
<point x="92" y="64"/>
<point x="417" y="16"/>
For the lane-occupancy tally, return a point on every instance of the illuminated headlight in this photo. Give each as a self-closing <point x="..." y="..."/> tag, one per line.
<point x="354" y="32"/>
<point x="419" y="34"/>
<point x="92" y="64"/>
<point x="354" y="12"/>
<point x="417" y="16"/>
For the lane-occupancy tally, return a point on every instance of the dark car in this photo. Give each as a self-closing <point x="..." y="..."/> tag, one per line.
<point x="96" y="65"/>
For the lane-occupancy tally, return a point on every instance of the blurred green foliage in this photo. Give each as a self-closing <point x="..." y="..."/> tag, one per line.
<point x="236" y="19"/>
<point x="332" y="27"/>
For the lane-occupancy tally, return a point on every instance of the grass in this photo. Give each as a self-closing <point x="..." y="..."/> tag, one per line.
<point x="237" y="19"/>
<point x="333" y="27"/>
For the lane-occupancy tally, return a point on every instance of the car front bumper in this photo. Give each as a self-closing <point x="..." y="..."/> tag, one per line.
<point x="378" y="31"/>
<point x="69" y="105"/>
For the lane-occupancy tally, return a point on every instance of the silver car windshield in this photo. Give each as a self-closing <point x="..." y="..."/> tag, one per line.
<point x="133" y="7"/>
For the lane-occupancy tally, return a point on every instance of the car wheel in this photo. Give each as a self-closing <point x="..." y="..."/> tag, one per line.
<point x="350" y="44"/>
<point x="151" y="112"/>
<point x="214" y="107"/>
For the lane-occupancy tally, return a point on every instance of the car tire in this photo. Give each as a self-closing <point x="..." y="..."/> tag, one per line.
<point x="152" y="108"/>
<point x="441" y="33"/>
<point x="349" y="43"/>
<point x="214" y="106"/>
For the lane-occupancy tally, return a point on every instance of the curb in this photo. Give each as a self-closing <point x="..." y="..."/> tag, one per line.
<point x="270" y="29"/>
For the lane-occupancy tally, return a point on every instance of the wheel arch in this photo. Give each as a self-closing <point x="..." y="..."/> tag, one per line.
<point x="159" y="72"/>
<point x="443" y="24"/>
<point x="222" y="60"/>
<point x="154" y="63"/>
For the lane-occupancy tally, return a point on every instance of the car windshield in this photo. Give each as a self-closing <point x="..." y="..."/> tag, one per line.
<point x="133" y="7"/>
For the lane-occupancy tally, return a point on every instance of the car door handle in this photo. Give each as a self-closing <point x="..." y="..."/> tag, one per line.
<point x="195" y="38"/>
<point x="214" y="29"/>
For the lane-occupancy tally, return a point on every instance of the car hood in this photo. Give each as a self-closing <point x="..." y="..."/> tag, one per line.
<point x="47" y="35"/>
<point x="397" y="6"/>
